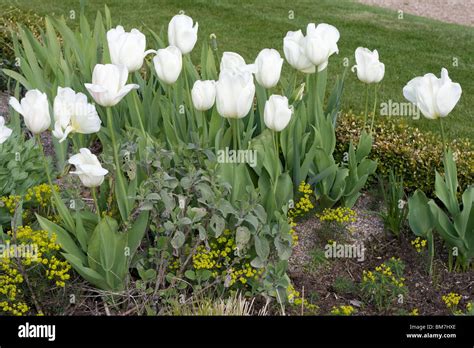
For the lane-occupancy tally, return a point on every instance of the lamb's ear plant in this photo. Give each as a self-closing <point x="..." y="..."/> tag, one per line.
<point x="452" y="220"/>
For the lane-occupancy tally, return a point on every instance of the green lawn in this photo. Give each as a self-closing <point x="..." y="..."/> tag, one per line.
<point x="409" y="47"/>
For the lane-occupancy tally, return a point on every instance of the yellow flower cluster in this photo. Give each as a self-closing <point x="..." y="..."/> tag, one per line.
<point x="40" y="194"/>
<point x="218" y="258"/>
<point x="10" y="202"/>
<point x="343" y="310"/>
<point x="10" y="287"/>
<point x="341" y="215"/>
<point x="39" y="256"/>
<point x="57" y="270"/>
<point x="17" y="309"/>
<point x="243" y="274"/>
<point x="302" y="206"/>
<point x="452" y="299"/>
<point x="419" y="244"/>
<point x="294" y="235"/>
<point x="414" y="312"/>
<point x="294" y="298"/>
<point x="381" y="272"/>
<point x="174" y="265"/>
<point x="217" y="255"/>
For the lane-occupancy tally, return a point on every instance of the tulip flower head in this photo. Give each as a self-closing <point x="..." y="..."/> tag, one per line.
<point x="182" y="33"/>
<point x="108" y="85"/>
<point x="127" y="48"/>
<point x="34" y="108"/>
<point x="277" y="113"/>
<point x="73" y="114"/>
<point x="321" y="43"/>
<point x="268" y="65"/>
<point x="294" y="47"/>
<point x="368" y="66"/>
<point x="435" y="97"/>
<point x="235" y="91"/>
<point x="168" y="64"/>
<point x="203" y="94"/>
<point x="88" y="168"/>
<point x="234" y="61"/>
<point x="5" y="132"/>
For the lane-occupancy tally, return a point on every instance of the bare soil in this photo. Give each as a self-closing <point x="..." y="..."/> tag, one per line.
<point x="317" y="278"/>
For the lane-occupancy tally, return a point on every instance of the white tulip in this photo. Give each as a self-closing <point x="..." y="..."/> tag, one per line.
<point x="204" y="94"/>
<point x="108" y="85"/>
<point x="35" y="110"/>
<point x="127" y="48"/>
<point x="88" y="168"/>
<point x="182" y="34"/>
<point x="277" y="113"/>
<point x="294" y="45"/>
<point x="5" y="132"/>
<point x="268" y="64"/>
<point x="73" y="114"/>
<point x="168" y="64"/>
<point x="234" y="93"/>
<point x="235" y="62"/>
<point x="321" y="43"/>
<point x="369" y="68"/>
<point x="435" y="97"/>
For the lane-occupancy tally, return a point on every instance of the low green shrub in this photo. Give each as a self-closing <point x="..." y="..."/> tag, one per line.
<point x="10" y="20"/>
<point x="413" y="154"/>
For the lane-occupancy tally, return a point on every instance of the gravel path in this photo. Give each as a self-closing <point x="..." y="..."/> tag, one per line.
<point x="453" y="11"/>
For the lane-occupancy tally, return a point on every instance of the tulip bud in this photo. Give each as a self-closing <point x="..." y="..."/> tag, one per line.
<point x="435" y="97"/>
<point x="108" y="85"/>
<point x="213" y="39"/>
<point x="321" y="43"/>
<point x="182" y="34"/>
<point x="203" y="94"/>
<point x="88" y="168"/>
<point x="127" y="48"/>
<point x="5" y="132"/>
<point x="73" y="114"/>
<point x="35" y="110"/>
<point x="234" y="93"/>
<point x="369" y="68"/>
<point x="299" y="92"/>
<point x="277" y="113"/>
<point x="168" y="63"/>
<point x="268" y="64"/>
<point x="294" y="49"/>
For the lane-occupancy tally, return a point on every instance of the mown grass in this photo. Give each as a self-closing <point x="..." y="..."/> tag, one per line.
<point x="409" y="47"/>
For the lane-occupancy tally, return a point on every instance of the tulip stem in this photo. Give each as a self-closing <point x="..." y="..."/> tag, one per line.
<point x="366" y="105"/>
<point x="443" y="135"/>
<point x="96" y="202"/>
<point x="45" y="162"/>
<point x="237" y="122"/>
<point x="234" y="125"/>
<point x="375" y="109"/>
<point x="277" y="154"/>
<point x="135" y="101"/>
<point x="112" y="137"/>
